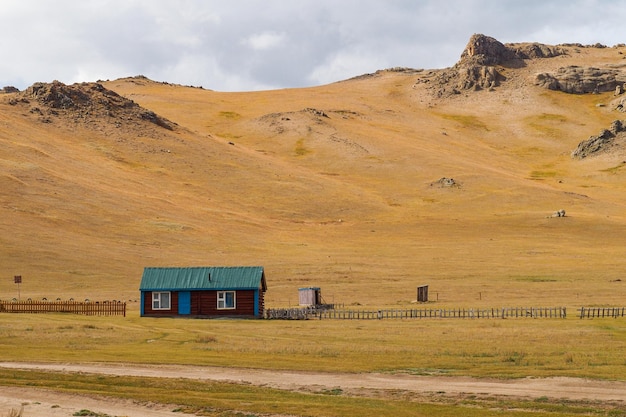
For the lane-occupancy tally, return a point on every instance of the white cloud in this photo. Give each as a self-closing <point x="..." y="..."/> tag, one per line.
<point x="249" y="45"/>
<point x="195" y="70"/>
<point x="345" y="65"/>
<point x="264" y="40"/>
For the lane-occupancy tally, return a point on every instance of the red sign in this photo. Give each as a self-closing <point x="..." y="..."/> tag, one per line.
<point x="18" y="279"/>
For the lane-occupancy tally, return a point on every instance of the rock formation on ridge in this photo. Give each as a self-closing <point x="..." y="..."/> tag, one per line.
<point x="84" y="102"/>
<point x="478" y="67"/>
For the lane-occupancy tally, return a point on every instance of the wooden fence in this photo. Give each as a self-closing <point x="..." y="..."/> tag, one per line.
<point x="91" y="308"/>
<point x="288" y="313"/>
<point x="453" y="313"/>
<point x="593" y="312"/>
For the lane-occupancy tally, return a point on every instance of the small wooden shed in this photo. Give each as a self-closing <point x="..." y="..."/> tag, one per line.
<point x="208" y="292"/>
<point x="422" y="294"/>
<point x="310" y="296"/>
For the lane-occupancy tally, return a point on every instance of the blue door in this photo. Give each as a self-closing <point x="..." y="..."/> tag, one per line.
<point x="184" y="302"/>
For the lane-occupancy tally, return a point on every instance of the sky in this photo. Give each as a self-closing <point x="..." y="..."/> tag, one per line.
<point x="250" y="45"/>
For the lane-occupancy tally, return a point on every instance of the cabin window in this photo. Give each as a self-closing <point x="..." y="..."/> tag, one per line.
<point x="161" y="301"/>
<point x="225" y="300"/>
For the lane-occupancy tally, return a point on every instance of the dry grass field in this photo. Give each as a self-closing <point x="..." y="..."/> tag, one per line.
<point x="347" y="200"/>
<point x="335" y="186"/>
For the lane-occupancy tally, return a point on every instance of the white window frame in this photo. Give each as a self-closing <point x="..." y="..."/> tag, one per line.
<point x="221" y="300"/>
<point x="160" y="302"/>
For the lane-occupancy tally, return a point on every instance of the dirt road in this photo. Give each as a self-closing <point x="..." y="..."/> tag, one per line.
<point x="46" y="403"/>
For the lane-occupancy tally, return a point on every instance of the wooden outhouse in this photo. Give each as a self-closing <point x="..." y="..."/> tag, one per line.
<point x="422" y="294"/>
<point x="208" y="292"/>
<point x="310" y="296"/>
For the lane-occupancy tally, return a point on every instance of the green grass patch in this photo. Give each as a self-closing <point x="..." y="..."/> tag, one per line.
<point x="227" y="135"/>
<point x="231" y="115"/>
<point x="615" y="169"/>
<point x="467" y="121"/>
<point x="301" y="149"/>
<point x="547" y="123"/>
<point x="479" y="348"/>
<point x="89" y="413"/>
<point x="535" y="279"/>
<point x="541" y="174"/>
<point x="230" y="399"/>
<point x="551" y="117"/>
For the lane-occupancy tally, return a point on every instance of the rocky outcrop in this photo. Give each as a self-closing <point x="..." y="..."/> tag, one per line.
<point x="9" y="89"/>
<point x="478" y="67"/>
<point x="485" y="50"/>
<point x="558" y="213"/>
<point x="84" y="101"/>
<point x="536" y="50"/>
<point x="579" y="80"/>
<point x="445" y="182"/>
<point x="603" y="142"/>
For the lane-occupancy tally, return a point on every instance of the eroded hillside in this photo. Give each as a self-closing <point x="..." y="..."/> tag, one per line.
<point x="338" y="186"/>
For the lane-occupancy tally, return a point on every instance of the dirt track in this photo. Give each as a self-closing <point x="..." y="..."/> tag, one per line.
<point x="46" y="403"/>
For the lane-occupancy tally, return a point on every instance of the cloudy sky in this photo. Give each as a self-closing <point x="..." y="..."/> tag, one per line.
<point x="243" y="45"/>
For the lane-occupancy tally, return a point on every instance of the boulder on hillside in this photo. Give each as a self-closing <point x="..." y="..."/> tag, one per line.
<point x="579" y="80"/>
<point x="536" y="50"/>
<point x="603" y="142"/>
<point x="445" y="182"/>
<point x="558" y="213"/>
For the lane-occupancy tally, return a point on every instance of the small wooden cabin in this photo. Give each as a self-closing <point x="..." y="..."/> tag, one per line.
<point x="208" y="292"/>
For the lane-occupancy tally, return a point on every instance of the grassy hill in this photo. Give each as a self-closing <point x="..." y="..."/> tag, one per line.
<point x="336" y="186"/>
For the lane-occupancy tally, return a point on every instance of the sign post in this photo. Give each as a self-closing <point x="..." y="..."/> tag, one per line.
<point x="18" y="280"/>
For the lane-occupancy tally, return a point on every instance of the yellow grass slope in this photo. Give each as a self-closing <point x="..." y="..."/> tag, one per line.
<point x="333" y="186"/>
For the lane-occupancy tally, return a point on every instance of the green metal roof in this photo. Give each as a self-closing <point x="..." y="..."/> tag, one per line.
<point x="203" y="278"/>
